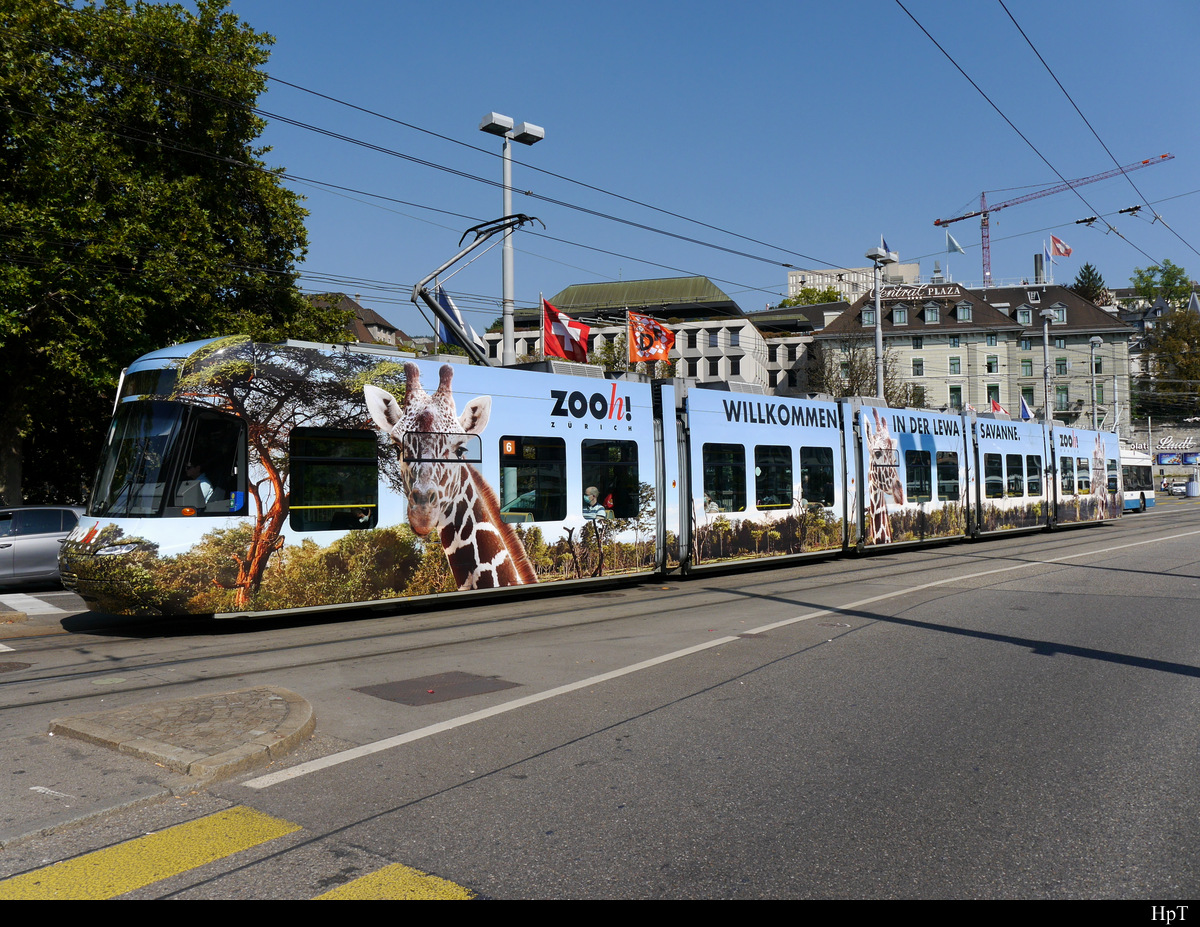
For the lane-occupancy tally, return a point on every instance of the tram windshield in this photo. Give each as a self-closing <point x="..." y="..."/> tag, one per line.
<point x="164" y="458"/>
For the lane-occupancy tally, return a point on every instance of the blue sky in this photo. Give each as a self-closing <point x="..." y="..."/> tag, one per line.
<point x="811" y="127"/>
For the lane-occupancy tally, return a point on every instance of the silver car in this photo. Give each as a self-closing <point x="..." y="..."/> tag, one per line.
<point x="30" y="537"/>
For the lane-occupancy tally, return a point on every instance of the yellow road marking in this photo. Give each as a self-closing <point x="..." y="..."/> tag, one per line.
<point x="398" y="883"/>
<point x="137" y="863"/>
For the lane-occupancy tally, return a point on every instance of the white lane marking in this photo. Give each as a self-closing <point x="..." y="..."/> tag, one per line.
<point x="28" y="604"/>
<point x="4" y="647"/>
<point x="346" y="756"/>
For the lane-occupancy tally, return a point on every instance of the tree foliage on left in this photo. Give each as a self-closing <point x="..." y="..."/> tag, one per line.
<point x="135" y="212"/>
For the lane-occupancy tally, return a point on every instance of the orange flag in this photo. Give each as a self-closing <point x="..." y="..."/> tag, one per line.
<point x="648" y="340"/>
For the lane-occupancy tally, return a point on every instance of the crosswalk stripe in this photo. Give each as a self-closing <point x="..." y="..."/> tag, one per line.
<point x="136" y="863"/>
<point x="398" y="883"/>
<point x="30" y="605"/>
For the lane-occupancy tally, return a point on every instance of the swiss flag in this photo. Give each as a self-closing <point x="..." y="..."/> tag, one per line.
<point x="1059" y="248"/>
<point x="562" y="336"/>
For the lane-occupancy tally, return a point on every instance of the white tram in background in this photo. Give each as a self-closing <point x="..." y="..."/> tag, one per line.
<point x="242" y="478"/>
<point x="1137" y="480"/>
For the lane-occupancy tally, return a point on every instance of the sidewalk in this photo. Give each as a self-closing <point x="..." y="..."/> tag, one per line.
<point x="88" y="765"/>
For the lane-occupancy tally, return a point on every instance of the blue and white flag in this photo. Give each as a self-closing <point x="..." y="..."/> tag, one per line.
<point x="447" y="336"/>
<point x="1026" y="412"/>
<point x="953" y="246"/>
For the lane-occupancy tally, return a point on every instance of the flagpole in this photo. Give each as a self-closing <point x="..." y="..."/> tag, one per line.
<point x="542" y="317"/>
<point x="629" y="342"/>
<point x="436" y="287"/>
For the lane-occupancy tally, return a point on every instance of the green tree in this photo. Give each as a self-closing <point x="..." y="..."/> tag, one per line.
<point x="1171" y="360"/>
<point x="1090" y="285"/>
<point x="1168" y="280"/>
<point x="812" y="296"/>
<point x="135" y="212"/>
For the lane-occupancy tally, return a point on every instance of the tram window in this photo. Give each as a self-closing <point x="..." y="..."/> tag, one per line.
<point x="157" y="382"/>
<point x="611" y="468"/>
<point x="993" y="476"/>
<point x="1016" y="478"/>
<point x="1112" y="475"/>
<point x="1033" y="475"/>
<point x="947" y="476"/>
<point x="334" y="479"/>
<point x="1137" y="478"/>
<point x="212" y="475"/>
<point x="724" y="477"/>
<point x="918" y="467"/>
<point x="1083" y="478"/>
<point x="816" y="475"/>
<point x="533" y="479"/>
<point x="1067" y="481"/>
<point x="772" y="477"/>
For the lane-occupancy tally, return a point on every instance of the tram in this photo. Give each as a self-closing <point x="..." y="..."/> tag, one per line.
<point x="1137" y="479"/>
<point x="242" y="478"/>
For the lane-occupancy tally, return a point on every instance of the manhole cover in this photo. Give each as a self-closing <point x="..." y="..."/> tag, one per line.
<point x="442" y="687"/>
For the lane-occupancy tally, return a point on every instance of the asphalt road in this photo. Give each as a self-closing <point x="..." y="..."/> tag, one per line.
<point x="1010" y="719"/>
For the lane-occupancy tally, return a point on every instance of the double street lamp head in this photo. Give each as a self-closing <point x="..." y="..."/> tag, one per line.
<point x="880" y="256"/>
<point x="498" y="124"/>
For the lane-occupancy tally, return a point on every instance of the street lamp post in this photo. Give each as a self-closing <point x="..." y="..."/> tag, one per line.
<point x="879" y="257"/>
<point x="1047" y="315"/>
<point x="1094" y="342"/>
<point x="527" y="134"/>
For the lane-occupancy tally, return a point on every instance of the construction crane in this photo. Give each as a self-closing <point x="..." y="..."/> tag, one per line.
<point x="984" y="209"/>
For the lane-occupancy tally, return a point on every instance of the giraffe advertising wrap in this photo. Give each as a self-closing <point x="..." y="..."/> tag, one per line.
<point x="354" y="475"/>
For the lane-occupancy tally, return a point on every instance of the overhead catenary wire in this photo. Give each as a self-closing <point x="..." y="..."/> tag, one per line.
<point x="1012" y="125"/>
<point x="1049" y="228"/>
<point x="476" y="148"/>
<point x="283" y="174"/>
<point x="1092" y="128"/>
<point x="157" y="142"/>
<point x="493" y="154"/>
<point x="266" y="114"/>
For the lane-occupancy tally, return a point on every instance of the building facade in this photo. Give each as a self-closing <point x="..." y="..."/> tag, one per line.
<point x="852" y="282"/>
<point x="715" y="341"/>
<point x="959" y="348"/>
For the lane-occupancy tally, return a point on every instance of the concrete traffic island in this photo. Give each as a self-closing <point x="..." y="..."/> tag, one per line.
<point x="206" y="737"/>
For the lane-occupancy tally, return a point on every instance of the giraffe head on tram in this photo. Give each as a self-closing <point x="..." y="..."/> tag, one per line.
<point x="446" y="495"/>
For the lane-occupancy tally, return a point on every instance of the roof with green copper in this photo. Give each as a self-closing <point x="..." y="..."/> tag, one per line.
<point x="678" y="297"/>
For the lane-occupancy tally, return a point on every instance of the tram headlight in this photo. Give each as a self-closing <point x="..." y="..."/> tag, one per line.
<point x="115" y="550"/>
